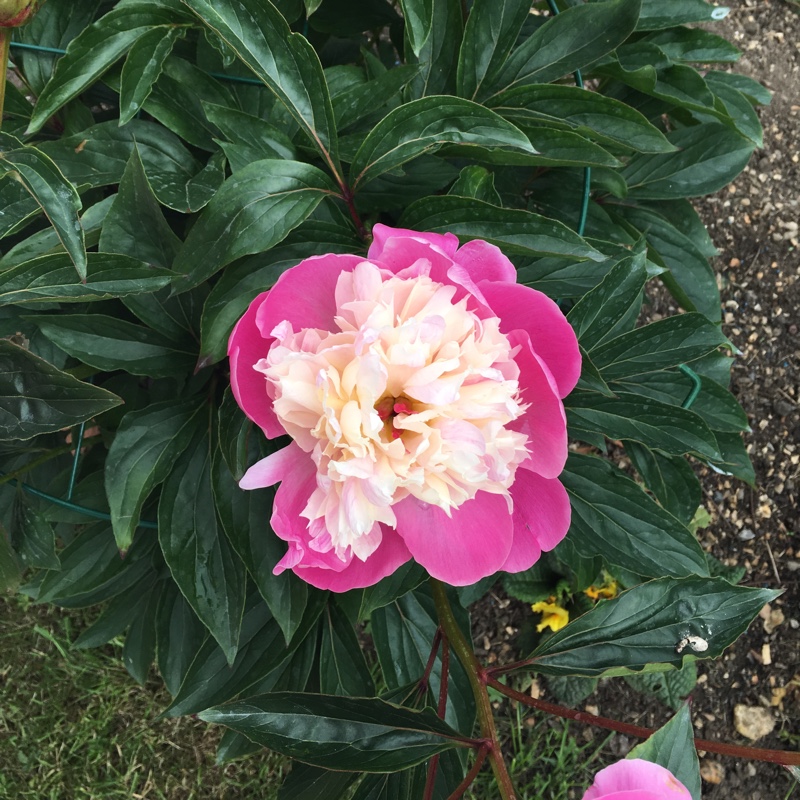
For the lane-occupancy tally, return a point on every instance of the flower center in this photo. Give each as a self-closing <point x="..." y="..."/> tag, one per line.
<point x="411" y="395"/>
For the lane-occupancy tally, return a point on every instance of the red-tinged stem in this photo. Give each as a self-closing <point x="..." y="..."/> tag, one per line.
<point x="347" y="196"/>
<point x="785" y="758"/>
<point x="433" y="766"/>
<point x="5" y="44"/>
<point x="471" y="775"/>
<point x="477" y="679"/>
<point x="424" y="681"/>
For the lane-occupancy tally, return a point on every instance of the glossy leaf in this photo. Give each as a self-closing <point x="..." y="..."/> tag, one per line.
<point x="648" y="625"/>
<point x="253" y="211"/>
<point x="109" y="343"/>
<point x="418" y="15"/>
<point x="749" y="87"/>
<point x="33" y="538"/>
<point x="709" y="157"/>
<point x="576" y="37"/>
<point x="672" y="429"/>
<point x="657" y="346"/>
<point x="438" y="57"/>
<point x="56" y="196"/>
<point x="52" y="278"/>
<point x="672" y="746"/>
<point x="342" y="733"/>
<point x="342" y="669"/>
<point x="140" y="643"/>
<point x="614" y="518"/>
<point x="694" y="44"/>
<point x="400" y="582"/>
<point x="142" y="67"/>
<point x="141" y="456"/>
<point x="515" y="231"/>
<point x="477" y="182"/>
<point x="492" y="29"/>
<point x="425" y="124"/>
<point x="672" y="687"/>
<point x="588" y="113"/>
<point x="656" y="16"/>
<point x="359" y="101"/>
<point x="311" y="783"/>
<point x="262" y="139"/>
<point x="285" y="61"/>
<point x="194" y="546"/>
<point x="94" y="50"/>
<point x="37" y="398"/>
<point x="135" y="224"/>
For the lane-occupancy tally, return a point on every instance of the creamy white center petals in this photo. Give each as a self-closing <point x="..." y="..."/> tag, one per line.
<point x="412" y="395"/>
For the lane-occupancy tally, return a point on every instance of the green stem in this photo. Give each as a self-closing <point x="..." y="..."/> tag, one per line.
<point x="5" y="43"/>
<point x="477" y="679"/>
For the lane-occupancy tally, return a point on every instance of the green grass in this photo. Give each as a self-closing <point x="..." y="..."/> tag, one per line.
<point x="544" y="757"/>
<point x="75" y="726"/>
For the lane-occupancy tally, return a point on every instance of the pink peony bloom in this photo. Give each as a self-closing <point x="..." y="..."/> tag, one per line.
<point x="422" y="388"/>
<point x="635" y="779"/>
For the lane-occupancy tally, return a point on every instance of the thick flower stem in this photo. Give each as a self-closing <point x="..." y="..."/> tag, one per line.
<point x="477" y="680"/>
<point x="5" y="44"/>
<point x="785" y="758"/>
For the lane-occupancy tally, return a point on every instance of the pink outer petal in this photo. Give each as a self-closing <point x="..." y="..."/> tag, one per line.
<point x="544" y="422"/>
<point x="305" y="294"/>
<point x="541" y="518"/>
<point x="245" y="347"/>
<point x="273" y="468"/>
<point x="636" y="779"/>
<point x="447" y="243"/>
<point x="485" y="262"/>
<point x="391" y="554"/>
<point x="553" y="339"/>
<point x="461" y="549"/>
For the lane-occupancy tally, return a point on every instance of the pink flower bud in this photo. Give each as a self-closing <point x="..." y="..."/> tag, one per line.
<point x="636" y="779"/>
<point x="14" y="13"/>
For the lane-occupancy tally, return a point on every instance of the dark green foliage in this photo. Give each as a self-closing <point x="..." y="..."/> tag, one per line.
<point x="179" y="158"/>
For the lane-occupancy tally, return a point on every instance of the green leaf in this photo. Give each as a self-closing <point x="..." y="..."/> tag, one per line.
<point x="651" y="624"/>
<point x="396" y="785"/>
<point x="142" y="68"/>
<point x="179" y="636"/>
<point x="10" y="573"/>
<point x="358" y="101"/>
<point x="576" y="37"/>
<point x="477" y="182"/>
<point x="208" y="572"/>
<point x="439" y="55"/>
<point x="52" y="278"/>
<point x="95" y="49"/>
<point x="93" y="570"/>
<point x="98" y="156"/>
<point x="670" y="479"/>
<point x="311" y="783"/>
<point x="693" y="44"/>
<point x="556" y="146"/>
<point x="671" y="688"/>
<point x="37" y="398"/>
<point x="691" y="279"/>
<point x="710" y="156"/>
<point x="492" y="29"/>
<point x="57" y="197"/>
<point x="749" y="87"/>
<point x="741" y="113"/>
<point x="672" y="746"/>
<point x="242" y="282"/>
<point x="176" y="317"/>
<point x="590" y="114"/>
<point x="570" y="690"/>
<point x="140" y="643"/>
<point x="147" y="444"/>
<point x="657" y="346"/>
<point x="596" y="314"/>
<point x="261" y="661"/>
<point x="614" y="518"/>
<point x="245" y="518"/>
<point x="108" y="343"/>
<point x="403" y="633"/>
<point x="515" y="231"/>
<point x="386" y="591"/>
<point x="118" y="615"/>
<point x="253" y="211"/>
<point x="33" y="538"/>
<point x="424" y="125"/>
<point x="656" y="16"/>
<point x="418" y="16"/>
<point x="735" y="459"/>
<point x="342" y="669"/>
<point x="135" y="225"/>
<point x="672" y="429"/>
<point x="253" y="135"/>
<point x="285" y="61"/>
<point x="342" y="733"/>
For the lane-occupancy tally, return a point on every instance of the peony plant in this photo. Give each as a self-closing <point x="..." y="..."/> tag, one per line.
<point x="392" y="258"/>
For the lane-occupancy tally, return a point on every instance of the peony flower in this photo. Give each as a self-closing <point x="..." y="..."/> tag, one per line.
<point x="422" y="389"/>
<point x="14" y="13"/>
<point x="635" y="779"/>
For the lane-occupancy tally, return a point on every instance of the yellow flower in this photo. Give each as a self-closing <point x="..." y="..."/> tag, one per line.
<point x="554" y="617"/>
<point x="605" y="591"/>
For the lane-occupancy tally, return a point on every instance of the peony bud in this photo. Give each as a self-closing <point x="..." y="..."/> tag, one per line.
<point x="14" y="13"/>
